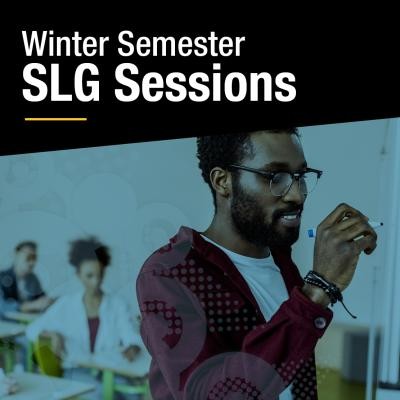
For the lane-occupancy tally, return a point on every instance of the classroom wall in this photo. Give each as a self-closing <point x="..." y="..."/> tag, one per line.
<point x="354" y="157"/>
<point x="135" y="196"/>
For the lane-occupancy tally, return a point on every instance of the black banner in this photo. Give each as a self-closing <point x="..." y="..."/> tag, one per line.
<point x="336" y="76"/>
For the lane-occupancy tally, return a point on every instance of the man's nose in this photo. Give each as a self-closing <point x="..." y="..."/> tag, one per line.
<point x="294" y="194"/>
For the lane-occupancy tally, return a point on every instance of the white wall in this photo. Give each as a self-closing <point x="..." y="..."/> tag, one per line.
<point x="351" y="156"/>
<point x="354" y="158"/>
<point x="389" y="304"/>
<point x="136" y="196"/>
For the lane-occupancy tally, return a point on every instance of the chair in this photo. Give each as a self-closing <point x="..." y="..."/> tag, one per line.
<point x="49" y="364"/>
<point x="7" y="350"/>
<point x="139" y="386"/>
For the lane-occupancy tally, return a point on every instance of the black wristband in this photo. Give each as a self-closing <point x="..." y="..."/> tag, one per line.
<point x="333" y="292"/>
<point x="329" y="288"/>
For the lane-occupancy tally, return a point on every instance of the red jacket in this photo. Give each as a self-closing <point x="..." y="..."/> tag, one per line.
<point x="207" y="336"/>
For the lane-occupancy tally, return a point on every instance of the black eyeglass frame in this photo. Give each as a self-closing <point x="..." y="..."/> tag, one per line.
<point x="270" y="175"/>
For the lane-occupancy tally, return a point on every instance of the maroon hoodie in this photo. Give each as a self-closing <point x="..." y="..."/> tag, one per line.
<point x="207" y="335"/>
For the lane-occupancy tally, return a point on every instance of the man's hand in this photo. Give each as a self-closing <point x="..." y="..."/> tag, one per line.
<point x="131" y="352"/>
<point x="336" y="253"/>
<point x="37" y="305"/>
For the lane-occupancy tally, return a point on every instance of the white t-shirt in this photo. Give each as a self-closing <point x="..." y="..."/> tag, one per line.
<point x="23" y="294"/>
<point x="265" y="282"/>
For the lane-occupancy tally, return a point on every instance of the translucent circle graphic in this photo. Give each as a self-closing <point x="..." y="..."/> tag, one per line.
<point x="154" y="225"/>
<point x="234" y="376"/>
<point x="105" y="205"/>
<point x="24" y="178"/>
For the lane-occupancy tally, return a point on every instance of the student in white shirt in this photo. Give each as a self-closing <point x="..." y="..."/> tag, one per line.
<point x="90" y="321"/>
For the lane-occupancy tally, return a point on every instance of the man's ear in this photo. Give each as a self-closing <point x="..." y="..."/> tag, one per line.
<point x="221" y="181"/>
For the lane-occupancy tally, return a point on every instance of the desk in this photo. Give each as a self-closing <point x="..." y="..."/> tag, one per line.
<point x="25" y="318"/>
<point x="10" y="329"/>
<point x="112" y="364"/>
<point x="39" y="387"/>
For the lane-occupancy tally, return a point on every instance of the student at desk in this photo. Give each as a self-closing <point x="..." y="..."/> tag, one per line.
<point x="90" y="321"/>
<point x="20" y="289"/>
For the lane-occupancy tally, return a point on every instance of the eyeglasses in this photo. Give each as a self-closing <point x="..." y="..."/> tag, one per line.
<point x="280" y="182"/>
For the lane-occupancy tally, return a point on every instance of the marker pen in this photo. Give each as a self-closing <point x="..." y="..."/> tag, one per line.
<point x="312" y="232"/>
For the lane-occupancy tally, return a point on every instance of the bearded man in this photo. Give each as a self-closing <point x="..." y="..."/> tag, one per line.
<point x="225" y="312"/>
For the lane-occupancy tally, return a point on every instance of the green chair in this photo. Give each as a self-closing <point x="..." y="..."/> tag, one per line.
<point x="7" y="350"/>
<point x="110" y="387"/>
<point x="49" y="364"/>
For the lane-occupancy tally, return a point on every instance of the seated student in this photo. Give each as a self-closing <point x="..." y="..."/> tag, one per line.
<point x="89" y="321"/>
<point x="20" y="289"/>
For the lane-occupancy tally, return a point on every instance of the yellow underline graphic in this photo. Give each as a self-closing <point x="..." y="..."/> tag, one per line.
<point x="30" y="119"/>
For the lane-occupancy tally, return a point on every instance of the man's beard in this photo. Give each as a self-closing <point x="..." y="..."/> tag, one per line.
<point x="249" y="220"/>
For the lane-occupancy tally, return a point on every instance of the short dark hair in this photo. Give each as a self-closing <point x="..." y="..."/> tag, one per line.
<point x="26" y="243"/>
<point x="87" y="250"/>
<point x="223" y="150"/>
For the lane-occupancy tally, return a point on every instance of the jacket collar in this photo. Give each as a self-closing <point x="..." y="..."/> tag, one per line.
<point x="281" y="256"/>
<point x="11" y="273"/>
